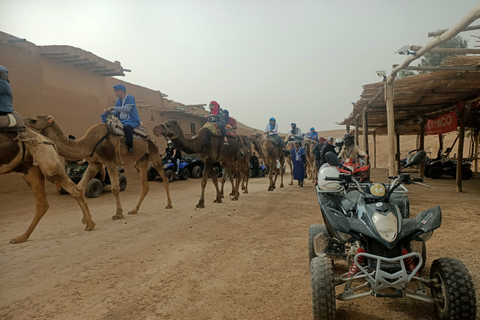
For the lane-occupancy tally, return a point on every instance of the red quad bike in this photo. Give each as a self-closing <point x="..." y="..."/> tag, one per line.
<point x="358" y="171"/>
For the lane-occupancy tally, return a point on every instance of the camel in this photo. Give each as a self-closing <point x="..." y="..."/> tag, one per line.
<point x="99" y="147"/>
<point x="210" y="148"/>
<point x="36" y="157"/>
<point x="270" y="153"/>
<point x="243" y="165"/>
<point x="309" y="144"/>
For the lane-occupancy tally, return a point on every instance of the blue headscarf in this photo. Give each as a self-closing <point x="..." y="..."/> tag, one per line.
<point x="272" y="126"/>
<point x="4" y="70"/>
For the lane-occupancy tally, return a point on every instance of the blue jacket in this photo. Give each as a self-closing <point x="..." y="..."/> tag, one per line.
<point x="126" y="111"/>
<point x="6" y="97"/>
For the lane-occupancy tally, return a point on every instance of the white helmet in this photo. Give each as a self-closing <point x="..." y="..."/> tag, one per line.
<point x="169" y="142"/>
<point x="328" y="185"/>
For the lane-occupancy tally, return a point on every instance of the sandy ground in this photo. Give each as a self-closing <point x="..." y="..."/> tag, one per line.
<point x="235" y="260"/>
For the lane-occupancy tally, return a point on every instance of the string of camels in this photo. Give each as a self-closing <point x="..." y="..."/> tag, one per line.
<point x="35" y="152"/>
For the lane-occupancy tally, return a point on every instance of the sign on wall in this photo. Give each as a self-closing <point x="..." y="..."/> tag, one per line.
<point x="442" y="124"/>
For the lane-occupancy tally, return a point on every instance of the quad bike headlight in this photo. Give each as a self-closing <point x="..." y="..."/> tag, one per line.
<point x="425" y="236"/>
<point x="345" y="237"/>
<point x="387" y="226"/>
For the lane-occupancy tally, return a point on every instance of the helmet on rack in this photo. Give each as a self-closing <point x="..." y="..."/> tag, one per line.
<point x="329" y="185"/>
<point x="349" y="138"/>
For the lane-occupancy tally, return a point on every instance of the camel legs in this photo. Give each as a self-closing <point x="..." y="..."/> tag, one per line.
<point x="289" y="162"/>
<point x="235" y="187"/>
<point x="157" y="164"/>
<point x="271" y="167"/>
<point x="36" y="181"/>
<point x="112" y="168"/>
<point x="91" y="171"/>
<point x="141" y="166"/>
<point x="245" y="178"/>
<point x="207" y="169"/>
<point x="224" y="177"/>
<point x="215" y="183"/>
<point x="282" y="164"/>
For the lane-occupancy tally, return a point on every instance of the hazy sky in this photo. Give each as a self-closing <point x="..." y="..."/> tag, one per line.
<point x="298" y="61"/>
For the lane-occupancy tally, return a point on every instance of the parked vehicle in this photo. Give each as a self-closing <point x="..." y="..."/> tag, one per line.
<point x="95" y="186"/>
<point x="369" y="226"/>
<point x="262" y="171"/>
<point x="436" y="168"/>
<point x="359" y="171"/>
<point x="194" y="165"/>
<point x="170" y="170"/>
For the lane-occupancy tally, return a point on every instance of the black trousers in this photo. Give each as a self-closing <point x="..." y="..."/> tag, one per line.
<point x="128" y="130"/>
<point x="221" y="126"/>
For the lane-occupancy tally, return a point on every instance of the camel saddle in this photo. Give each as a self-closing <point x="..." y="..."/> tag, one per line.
<point x="12" y="122"/>
<point x="276" y="139"/>
<point x="116" y="127"/>
<point x="214" y="130"/>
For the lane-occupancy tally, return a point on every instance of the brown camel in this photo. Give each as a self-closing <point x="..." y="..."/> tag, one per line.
<point x="288" y="158"/>
<point x="36" y="157"/>
<point x="99" y="147"/>
<point x="243" y="166"/>
<point x="270" y="153"/>
<point x="210" y="148"/>
<point x="309" y="144"/>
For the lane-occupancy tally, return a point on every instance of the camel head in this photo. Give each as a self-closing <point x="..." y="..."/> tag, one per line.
<point x="168" y="129"/>
<point x="40" y="122"/>
<point x="257" y="137"/>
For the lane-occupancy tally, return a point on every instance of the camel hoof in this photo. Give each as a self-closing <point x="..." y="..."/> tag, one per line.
<point x="246" y="191"/>
<point x="133" y="212"/>
<point x="118" y="216"/>
<point x="18" y="240"/>
<point x="290" y="184"/>
<point x="89" y="225"/>
<point x="217" y="201"/>
<point x="169" y="206"/>
<point x="231" y="194"/>
<point x="281" y="186"/>
<point x="200" y="205"/>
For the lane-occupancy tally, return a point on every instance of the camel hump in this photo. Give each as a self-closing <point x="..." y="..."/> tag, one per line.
<point x="12" y="122"/>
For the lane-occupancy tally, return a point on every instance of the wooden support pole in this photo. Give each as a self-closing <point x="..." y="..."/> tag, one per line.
<point x="397" y="154"/>
<point x="421" y="146"/>
<point x="461" y="141"/>
<point x="440" y="145"/>
<point x="348" y="128"/>
<point x="390" y="127"/>
<point x="356" y="131"/>
<point x="365" y="139"/>
<point x="475" y="148"/>
<point x="375" y="149"/>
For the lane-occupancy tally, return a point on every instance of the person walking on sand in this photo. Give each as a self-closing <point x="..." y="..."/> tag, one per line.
<point x="298" y="160"/>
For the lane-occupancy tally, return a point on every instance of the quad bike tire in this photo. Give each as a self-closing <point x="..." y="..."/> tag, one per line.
<point x="184" y="174"/>
<point x="419" y="247"/>
<point x="197" y="172"/>
<point x="454" y="289"/>
<point x="151" y="174"/>
<point x="313" y="231"/>
<point x="94" y="188"/>
<point x="435" y="172"/>
<point x="122" y="182"/>
<point x="170" y="175"/>
<point x="323" y="288"/>
<point x="467" y="174"/>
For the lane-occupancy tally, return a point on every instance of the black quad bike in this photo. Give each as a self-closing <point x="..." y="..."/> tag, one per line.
<point x="95" y="186"/>
<point x="368" y="226"/>
<point x="436" y="168"/>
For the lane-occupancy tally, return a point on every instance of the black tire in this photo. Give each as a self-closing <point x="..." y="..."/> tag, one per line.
<point x="197" y="172"/>
<point x="184" y="174"/>
<point x="454" y="289"/>
<point x="419" y="247"/>
<point x="313" y="231"/>
<point x="323" y="288"/>
<point x="151" y="174"/>
<point x="170" y="175"/>
<point x="435" y="172"/>
<point x="122" y="182"/>
<point x="467" y="174"/>
<point x="94" y="188"/>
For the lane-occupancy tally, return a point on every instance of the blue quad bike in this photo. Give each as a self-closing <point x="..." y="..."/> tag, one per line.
<point x="169" y="168"/>
<point x="368" y="225"/>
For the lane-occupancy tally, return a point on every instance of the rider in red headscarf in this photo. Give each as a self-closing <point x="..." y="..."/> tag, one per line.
<point x="217" y="117"/>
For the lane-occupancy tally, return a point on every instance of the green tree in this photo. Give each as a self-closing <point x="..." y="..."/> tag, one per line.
<point x="436" y="59"/>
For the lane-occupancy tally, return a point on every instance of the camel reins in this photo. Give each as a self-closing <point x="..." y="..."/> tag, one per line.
<point x="175" y="135"/>
<point x="99" y="141"/>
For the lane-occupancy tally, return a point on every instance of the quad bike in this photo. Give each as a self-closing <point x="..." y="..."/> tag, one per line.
<point x="169" y="168"/>
<point x="359" y="171"/>
<point x="368" y="226"/>
<point x="435" y="168"/>
<point x="95" y="186"/>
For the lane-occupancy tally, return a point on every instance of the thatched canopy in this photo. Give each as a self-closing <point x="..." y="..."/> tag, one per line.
<point x="428" y="95"/>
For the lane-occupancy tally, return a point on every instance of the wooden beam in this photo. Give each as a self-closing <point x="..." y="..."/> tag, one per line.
<point x="390" y="127"/>
<point x="442" y="68"/>
<point x="475" y="152"/>
<point x="356" y="131"/>
<point x="375" y="149"/>
<point x="421" y="146"/>
<point x="439" y="32"/>
<point x="397" y="155"/>
<point x="461" y="140"/>
<point x="448" y="50"/>
<point x="365" y="139"/>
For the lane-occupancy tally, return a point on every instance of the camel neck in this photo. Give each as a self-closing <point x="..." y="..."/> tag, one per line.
<point x="73" y="149"/>
<point x="258" y="146"/>
<point x="190" y="146"/>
